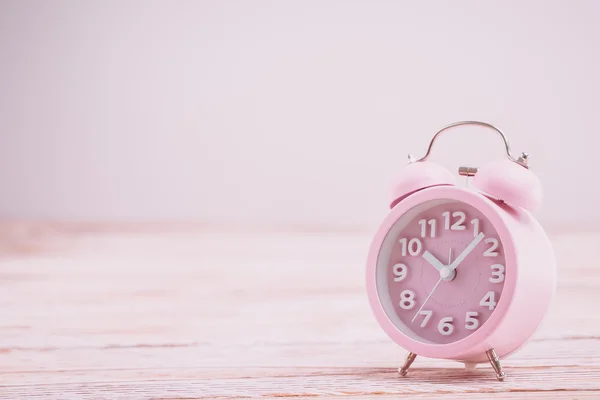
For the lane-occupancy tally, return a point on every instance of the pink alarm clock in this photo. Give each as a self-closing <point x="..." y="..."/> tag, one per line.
<point x="462" y="273"/>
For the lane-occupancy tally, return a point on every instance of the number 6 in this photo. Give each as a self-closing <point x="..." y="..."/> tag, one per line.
<point x="445" y="326"/>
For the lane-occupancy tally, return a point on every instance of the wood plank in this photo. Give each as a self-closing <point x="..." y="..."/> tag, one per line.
<point x="191" y="313"/>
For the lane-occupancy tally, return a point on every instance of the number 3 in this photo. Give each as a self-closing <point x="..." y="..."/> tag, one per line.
<point x="497" y="273"/>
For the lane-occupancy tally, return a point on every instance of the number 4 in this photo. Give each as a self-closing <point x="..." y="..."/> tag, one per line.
<point x="488" y="300"/>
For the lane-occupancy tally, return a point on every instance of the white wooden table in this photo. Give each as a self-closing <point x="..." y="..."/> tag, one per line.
<point x="188" y="312"/>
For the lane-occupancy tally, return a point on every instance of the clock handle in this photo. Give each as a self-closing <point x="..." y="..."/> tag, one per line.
<point x="509" y="180"/>
<point x="522" y="160"/>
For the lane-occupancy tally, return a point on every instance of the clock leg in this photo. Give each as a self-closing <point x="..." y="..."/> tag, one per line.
<point x="409" y="360"/>
<point x="495" y="361"/>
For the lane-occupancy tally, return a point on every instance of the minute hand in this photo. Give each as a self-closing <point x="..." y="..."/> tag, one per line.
<point x="466" y="252"/>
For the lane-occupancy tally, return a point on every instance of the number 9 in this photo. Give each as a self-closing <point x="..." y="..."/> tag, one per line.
<point x="399" y="272"/>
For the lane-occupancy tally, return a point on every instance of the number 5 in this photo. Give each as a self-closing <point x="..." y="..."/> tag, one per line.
<point x="471" y="322"/>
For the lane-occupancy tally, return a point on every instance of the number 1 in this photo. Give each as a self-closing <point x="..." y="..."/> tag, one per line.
<point x="475" y="223"/>
<point x="446" y="215"/>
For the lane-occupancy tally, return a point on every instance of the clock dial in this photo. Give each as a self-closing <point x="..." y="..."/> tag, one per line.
<point x="441" y="271"/>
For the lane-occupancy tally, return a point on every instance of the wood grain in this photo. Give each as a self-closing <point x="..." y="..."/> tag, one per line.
<point x="194" y="313"/>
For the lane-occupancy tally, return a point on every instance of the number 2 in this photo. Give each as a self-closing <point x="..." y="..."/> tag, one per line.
<point x="491" y="252"/>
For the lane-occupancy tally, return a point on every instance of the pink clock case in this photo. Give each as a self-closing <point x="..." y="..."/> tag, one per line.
<point x="529" y="285"/>
<point x="505" y="192"/>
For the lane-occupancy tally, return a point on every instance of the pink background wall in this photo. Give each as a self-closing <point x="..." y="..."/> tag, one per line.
<point x="286" y="112"/>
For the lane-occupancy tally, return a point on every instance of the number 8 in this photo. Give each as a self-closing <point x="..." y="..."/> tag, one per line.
<point x="407" y="299"/>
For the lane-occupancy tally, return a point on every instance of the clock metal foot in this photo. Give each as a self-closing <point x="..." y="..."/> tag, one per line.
<point x="409" y="360"/>
<point x="495" y="361"/>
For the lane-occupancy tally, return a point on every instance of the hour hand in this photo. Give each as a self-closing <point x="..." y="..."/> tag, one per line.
<point x="430" y="258"/>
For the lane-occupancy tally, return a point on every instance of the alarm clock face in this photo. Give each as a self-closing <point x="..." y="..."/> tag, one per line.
<point x="440" y="271"/>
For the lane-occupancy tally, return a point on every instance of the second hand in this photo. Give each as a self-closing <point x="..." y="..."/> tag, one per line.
<point x="433" y="290"/>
